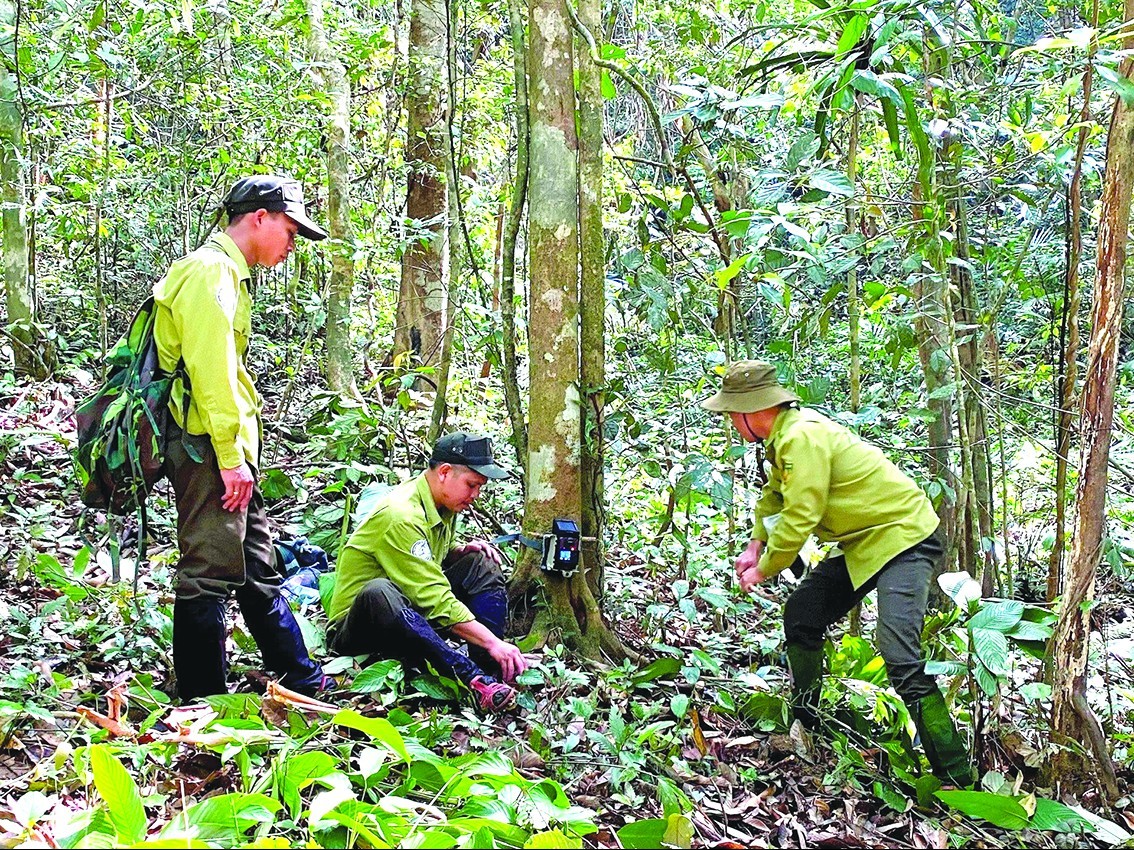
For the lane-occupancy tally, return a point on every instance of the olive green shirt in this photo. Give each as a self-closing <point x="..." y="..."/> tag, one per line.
<point x="826" y="481"/>
<point x="204" y="315"/>
<point x="405" y="540"/>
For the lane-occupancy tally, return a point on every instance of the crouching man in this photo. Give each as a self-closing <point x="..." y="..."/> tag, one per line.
<point x="401" y="582"/>
<point x="825" y="480"/>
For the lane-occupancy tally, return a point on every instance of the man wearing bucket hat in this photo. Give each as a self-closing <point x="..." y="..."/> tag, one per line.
<point x="823" y="480"/>
<point x="401" y="580"/>
<point x="203" y="321"/>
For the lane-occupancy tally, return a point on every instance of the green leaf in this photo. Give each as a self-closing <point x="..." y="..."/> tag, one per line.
<point x="679" y="704"/>
<point x="609" y="90"/>
<point x="1116" y="82"/>
<point x="120" y="793"/>
<point x="871" y="83"/>
<point x="997" y="810"/>
<point x="643" y="834"/>
<point x="991" y="648"/>
<point x="378" y="728"/>
<point x="678" y="831"/>
<point x="802" y="150"/>
<point x="224" y="818"/>
<point x="293" y="772"/>
<point x="890" y="118"/>
<point x="832" y="182"/>
<point x="894" y="799"/>
<point x="1053" y="816"/>
<point x="376" y="677"/>
<point x="659" y="669"/>
<point x="998" y="616"/>
<point x="553" y="839"/>
<point x="944" y="668"/>
<point x="851" y="35"/>
<point x="1024" y="630"/>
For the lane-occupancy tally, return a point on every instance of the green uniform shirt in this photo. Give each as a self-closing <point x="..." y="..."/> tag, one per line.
<point x="825" y="480"/>
<point x="404" y="540"/>
<point x="204" y="315"/>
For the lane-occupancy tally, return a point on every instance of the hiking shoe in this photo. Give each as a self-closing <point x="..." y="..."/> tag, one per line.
<point x="492" y="696"/>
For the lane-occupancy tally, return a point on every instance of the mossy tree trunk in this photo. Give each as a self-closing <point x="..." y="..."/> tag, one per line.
<point x="423" y="297"/>
<point x="339" y="363"/>
<point x="569" y="612"/>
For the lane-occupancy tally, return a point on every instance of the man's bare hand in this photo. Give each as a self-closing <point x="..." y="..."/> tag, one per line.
<point x="749" y="558"/>
<point x="511" y="660"/>
<point x="752" y="577"/>
<point x="490" y="552"/>
<point x="238" y="486"/>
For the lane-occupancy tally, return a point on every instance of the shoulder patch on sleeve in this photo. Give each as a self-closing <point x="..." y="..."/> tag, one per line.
<point x="420" y="549"/>
<point x="226" y="298"/>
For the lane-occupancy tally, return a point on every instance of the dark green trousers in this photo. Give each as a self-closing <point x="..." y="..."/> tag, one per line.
<point x="826" y="595"/>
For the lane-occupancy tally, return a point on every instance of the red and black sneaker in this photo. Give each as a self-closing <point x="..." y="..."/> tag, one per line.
<point x="492" y="696"/>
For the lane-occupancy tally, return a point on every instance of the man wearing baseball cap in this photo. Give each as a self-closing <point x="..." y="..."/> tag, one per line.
<point x="823" y="480"/>
<point x="202" y="327"/>
<point x="402" y="583"/>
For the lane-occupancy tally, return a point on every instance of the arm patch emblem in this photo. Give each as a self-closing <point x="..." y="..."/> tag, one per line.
<point x="420" y="549"/>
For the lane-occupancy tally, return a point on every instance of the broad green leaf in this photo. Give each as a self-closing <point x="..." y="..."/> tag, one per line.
<point x="659" y="669"/>
<point x="961" y="587"/>
<point x="832" y="182"/>
<point x="609" y="90"/>
<point x="120" y="793"/>
<point x="678" y="831"/>
<point x="998" y="616"/>
<point x="989" y="683"/>
<point x="643" y="834"/>
<point x="224" y="818"/>
<point x="944" y="668"/>
<point x="896" y="800"/>
<point x="851" y="35"/>
<point x="553" y="839"/>
<point x="890" y="119"/>
<point x="679" y="704"/>
<point x="383" y="674"/>
<point x="991" y="649"/>
<point x="994" y="808"/>
<point x="1024" y="630"/>
<point x="871" y="83"/>
<point x="1056" y="817"/>
<point x="1117" y="83"/>
<point x="292" y="772"/>
<point x="378" y="728"/>
<point x="802" y="150"/>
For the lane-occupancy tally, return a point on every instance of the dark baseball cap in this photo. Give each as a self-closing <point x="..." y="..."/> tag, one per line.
<point x="471" y="450"/>
<point x="274" y="194"/>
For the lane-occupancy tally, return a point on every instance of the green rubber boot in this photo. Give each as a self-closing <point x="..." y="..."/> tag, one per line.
<point x="806" y="683"/>
<point x="946" y="750"/>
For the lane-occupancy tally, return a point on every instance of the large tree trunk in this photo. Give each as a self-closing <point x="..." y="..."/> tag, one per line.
<point x="31" y="355"/>
<point x="424" y="296"/>
<point x="571" y="613"/>
<point x="1074" y="722"/>
<point x="593" y="300"/>
<point x="339" y="363"/>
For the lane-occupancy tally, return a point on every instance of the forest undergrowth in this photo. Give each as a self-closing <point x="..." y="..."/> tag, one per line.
<point x="692" y="746"/>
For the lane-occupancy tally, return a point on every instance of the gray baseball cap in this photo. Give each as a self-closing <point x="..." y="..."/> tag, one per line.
<point x="274" y="194"/>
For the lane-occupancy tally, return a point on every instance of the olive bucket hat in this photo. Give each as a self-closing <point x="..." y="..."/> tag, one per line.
<point x="749" y="386"/>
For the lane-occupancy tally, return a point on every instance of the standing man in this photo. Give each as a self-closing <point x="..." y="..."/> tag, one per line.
<point x="400" y="579"/>
<point x="204" y="320"/>
<point x="824" y="480"/>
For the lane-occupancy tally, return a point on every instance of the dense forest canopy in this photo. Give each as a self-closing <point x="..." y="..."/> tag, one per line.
<point x="557" y="224"/>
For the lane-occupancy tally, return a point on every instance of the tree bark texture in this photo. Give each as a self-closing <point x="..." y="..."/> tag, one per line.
<point x="423" y="296"/>
<point x="339" y="363"/>
<point x="1073" y="721"/>
<point x="554" y="482"/>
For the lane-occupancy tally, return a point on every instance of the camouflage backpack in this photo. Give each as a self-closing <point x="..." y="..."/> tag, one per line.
<point x="123" y="427"/>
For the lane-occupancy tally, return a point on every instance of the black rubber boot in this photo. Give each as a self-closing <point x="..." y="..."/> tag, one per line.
<point x="273" y="626"/>
<point x="946" y="750"/>
<point x="198" y="647"/>
<point x="806" y="683"/>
